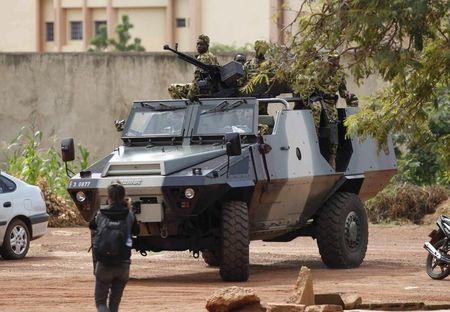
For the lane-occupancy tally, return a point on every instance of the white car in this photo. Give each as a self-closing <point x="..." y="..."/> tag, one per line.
<point x="23" y="216"/>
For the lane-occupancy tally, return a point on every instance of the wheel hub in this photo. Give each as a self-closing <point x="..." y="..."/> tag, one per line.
<point x="18" y="239"/>
<point x="352" y="230"/>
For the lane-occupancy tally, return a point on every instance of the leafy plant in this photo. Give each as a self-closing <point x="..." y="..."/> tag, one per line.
<point x="29" y="161"/>
<point x="101" y="42"/>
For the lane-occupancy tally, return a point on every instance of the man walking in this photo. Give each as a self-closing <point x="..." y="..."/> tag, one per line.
<point x="112" y="227"/>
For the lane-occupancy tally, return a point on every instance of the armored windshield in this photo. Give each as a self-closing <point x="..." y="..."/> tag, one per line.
<point x="225" y="117"/>
<point x="145" y="123"/>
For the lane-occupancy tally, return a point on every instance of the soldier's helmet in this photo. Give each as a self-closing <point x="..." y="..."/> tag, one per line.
<point x="204" y="39"/>
<point x="241" y="58"/>
<point x="261" y="47"/>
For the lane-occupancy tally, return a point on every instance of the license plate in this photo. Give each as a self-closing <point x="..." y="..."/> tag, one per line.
<point x="150" y="213"/>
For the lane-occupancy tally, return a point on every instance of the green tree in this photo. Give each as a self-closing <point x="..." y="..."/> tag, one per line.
<point x="406" y="42"/>
<point x="422" y="160"/>
<point x="101" y="42"/>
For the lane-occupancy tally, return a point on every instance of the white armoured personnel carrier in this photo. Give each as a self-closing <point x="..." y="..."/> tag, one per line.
<point x="202" y="178"/>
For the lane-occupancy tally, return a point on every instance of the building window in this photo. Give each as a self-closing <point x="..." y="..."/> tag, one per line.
<point x="181" y="22"/>
<point x="49" y="30"/>
<point x="98" y="25"/>
<point x="76" y="30"/>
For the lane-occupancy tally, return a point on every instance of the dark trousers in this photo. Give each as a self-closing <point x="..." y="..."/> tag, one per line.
<point x="110" y="279"/>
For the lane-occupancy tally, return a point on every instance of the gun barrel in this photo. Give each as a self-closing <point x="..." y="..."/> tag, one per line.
<point x="192" y="60"/>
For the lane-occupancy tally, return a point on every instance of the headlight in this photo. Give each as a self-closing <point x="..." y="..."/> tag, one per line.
<point x="189" y="193"/>
<point x="81" y="197"/>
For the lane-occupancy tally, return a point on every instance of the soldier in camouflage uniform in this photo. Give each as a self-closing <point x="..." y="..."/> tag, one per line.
<point x="204" y="56"/>
<point x="328" y="89"/>
<point x="251" y="67"/>
<point x="190" y="90"/>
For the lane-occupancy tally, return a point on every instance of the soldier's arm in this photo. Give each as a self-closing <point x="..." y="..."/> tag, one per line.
<point x="350" y="98"/>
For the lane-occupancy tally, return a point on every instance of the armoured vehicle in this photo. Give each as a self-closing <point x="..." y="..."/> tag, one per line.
<point x="202" y="177"/>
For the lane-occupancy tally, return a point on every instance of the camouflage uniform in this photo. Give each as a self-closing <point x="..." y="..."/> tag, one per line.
<point x="252" y="66"/>
<point x="179" y="90"/>
<point x="334" y="84"/>
<point x="190" y="90"/>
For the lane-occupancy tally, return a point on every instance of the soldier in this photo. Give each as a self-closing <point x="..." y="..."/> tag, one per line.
<point x="251" y="67"/>
<point x="204" y="56"/>
<point x="334" y="84"/>
<point x="190" y="90"/>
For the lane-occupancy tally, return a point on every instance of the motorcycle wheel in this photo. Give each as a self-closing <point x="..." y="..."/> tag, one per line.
<point x="436" y="269"/>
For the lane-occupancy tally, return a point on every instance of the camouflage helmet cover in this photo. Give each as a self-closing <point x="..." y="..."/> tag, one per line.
<point x="261" y="47"/>
<point x="203" y="39"/>
<point x="333" y="56"/>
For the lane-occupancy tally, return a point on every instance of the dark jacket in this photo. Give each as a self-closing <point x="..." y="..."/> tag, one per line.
<point x="115" y="212"/>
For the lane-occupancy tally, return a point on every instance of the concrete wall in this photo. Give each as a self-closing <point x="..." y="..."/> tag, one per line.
<point x="80" y="95"/>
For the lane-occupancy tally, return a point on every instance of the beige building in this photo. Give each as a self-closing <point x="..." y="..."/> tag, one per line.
<point x="69" y="25"/>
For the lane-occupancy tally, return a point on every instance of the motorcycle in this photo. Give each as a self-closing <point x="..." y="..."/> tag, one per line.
<point x="438" y="260"/>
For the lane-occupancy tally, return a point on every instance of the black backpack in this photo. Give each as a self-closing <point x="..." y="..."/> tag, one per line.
<point x="110" y="240"/>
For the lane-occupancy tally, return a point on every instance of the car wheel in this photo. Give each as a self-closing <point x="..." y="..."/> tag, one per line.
<point x="234" y="264"/>
<point x="342" y="231"/>
<point x="17" y="240"/>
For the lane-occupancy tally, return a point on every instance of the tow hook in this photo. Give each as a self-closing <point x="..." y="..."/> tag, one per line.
<point x="164" y="231"/>
<point x="196" y="254"/>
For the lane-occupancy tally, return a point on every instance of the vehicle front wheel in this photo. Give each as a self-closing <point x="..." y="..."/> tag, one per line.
<point x="17" y="241"/>
<point x="342" y="231"/>
<point x="234" y="263"/>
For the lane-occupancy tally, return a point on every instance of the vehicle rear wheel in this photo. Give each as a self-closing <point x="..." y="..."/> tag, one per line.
<point x="234" y="264"/>
<point x="342" y="231"/>
<point x="17" y="240"/>
<point x="211" y="258"/>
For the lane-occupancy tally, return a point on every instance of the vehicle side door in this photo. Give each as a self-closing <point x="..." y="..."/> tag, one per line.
<point x="7" y="189"/>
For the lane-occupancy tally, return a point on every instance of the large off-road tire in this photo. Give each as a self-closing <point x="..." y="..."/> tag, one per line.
<point x="234" y="265"/>
<point x="342" y="231"/>
<point x="17" y="240"/>
<point x="211" y="258"/>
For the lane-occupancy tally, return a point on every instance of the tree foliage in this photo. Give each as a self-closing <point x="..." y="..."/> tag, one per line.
<point x="101" y="42"/>
<point x="406" y="42"/>
<point x="422" y="160"/>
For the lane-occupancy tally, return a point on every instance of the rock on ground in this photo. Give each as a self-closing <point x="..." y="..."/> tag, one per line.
<point x="303" y="290"/>
<point x="331" y="298"/>
<point x="351" y="301"/>
<point x="233" y="298"/>
<point x="324" y="308"/>
<point x="286" y="307"/>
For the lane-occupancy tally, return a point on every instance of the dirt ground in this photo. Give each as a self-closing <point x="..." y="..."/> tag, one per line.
<point x="57" y="274"/>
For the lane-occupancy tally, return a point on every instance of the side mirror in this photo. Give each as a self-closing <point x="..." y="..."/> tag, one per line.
<point x="67" y="150"/>
<point x="233" y="144"/>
